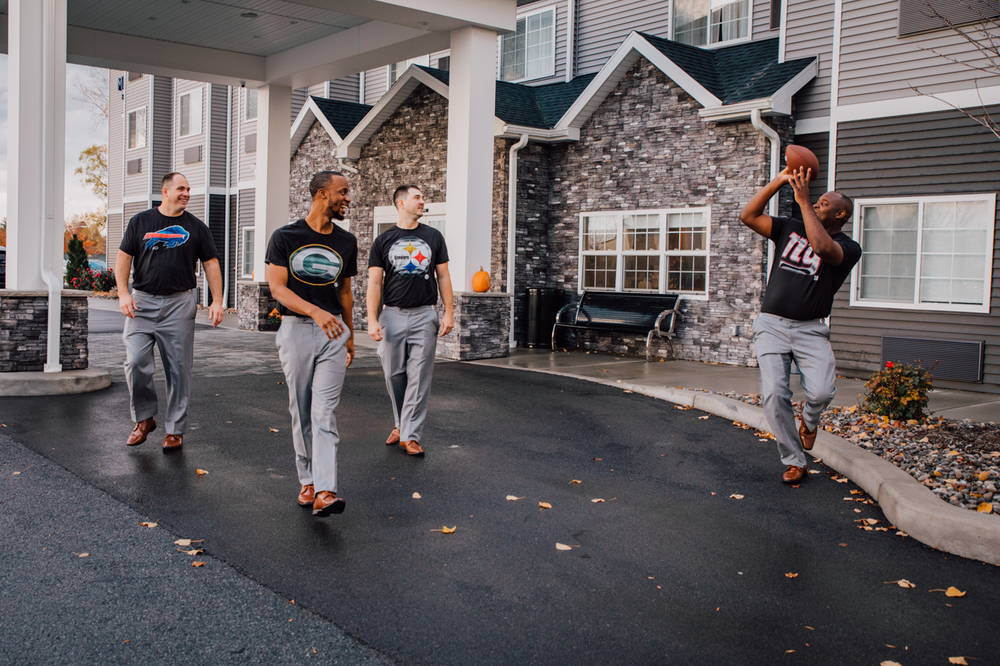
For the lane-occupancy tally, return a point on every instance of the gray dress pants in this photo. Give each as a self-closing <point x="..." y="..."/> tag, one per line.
<point x="314" y="368"/>
<point x="407" y="350"/>
<point x="777" y="341"/>
<point x="167" y="321"/>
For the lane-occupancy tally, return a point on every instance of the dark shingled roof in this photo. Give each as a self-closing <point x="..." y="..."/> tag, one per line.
<point x="733" y="73"/>
<point x="531" y="106"/>
<point x="344" y="116"/>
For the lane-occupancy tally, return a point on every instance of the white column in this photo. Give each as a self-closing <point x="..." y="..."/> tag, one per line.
<point x="274" y="107"/>
<point x="36" y="137"/>
<point x="471" y="95"/>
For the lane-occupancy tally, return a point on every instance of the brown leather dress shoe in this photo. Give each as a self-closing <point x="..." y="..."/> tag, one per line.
<point x="307" y="495"/>
<point x="412" y="447"/>
<point x="393" y="436"/>
<point x="808" y="438"/>
<point x="173" y="442"/>
<point x="794" y="474"/>
<point x="326" y="503"/>
<point x="141" y="431"/>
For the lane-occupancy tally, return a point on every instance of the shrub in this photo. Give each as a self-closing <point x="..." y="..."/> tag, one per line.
<point x="898" y="391"/>
<point x="76" y="261"/>
<point x="88" y="280"/>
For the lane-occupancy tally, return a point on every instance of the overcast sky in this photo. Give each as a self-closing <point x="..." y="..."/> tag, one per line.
<point x="80" y="134"/>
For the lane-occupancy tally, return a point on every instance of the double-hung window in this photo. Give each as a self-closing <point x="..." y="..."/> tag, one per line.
<point x="925" y="253"/>
<point x="247" y="263"/>
<point x="137" y="128"/>
<point x="251" y="110"/>
<point x="706" y="22"/>
<point x="190" y="113"/>
<point x="530" y="51"/>
<point x="658" y="251"/>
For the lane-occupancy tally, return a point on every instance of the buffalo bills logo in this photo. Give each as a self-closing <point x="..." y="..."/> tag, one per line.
<point x="166" y="238"/>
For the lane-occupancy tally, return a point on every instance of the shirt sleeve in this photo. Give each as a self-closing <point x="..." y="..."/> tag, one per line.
<point x="129" y="244"/>
<point x="778" y="225"/>
<point x="276" y="253"/>
<point x="206" y="246"/>
<point x="441" y="256"/>
<point x="351" y="264"/>
<point x="852" y="253"/>
<point x="375" y="258"/>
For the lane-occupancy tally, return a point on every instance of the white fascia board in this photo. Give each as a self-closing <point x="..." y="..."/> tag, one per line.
<point x="813" y="125"/>
<point x="96" y="48"/>
<point x="783" y="97"/>
<point x="350" y="148"/>
<point x="630" y="50"/>
<point x="915" y="104"/>
<point x="304" y="122"/>
<point x="540" y="135"/>
<point x="434" y="15"/>
<point x="358" y="49"/>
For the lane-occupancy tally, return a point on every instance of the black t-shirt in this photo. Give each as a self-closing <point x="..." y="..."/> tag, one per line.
<point x="316" y="263"/>
<point x="801" y="285"/>
<point x="408" y="257"/>
<point x="165" y="249"/>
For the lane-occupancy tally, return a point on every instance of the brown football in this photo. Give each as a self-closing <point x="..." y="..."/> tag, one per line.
<point x="797" y="157"/>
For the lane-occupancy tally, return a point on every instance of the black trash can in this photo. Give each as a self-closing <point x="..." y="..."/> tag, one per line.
<point x="542" y="306"/>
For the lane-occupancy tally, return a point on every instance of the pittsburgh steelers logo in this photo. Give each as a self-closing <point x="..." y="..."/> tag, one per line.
<point x="410" y="256"/>
<point x="315" y="265"/>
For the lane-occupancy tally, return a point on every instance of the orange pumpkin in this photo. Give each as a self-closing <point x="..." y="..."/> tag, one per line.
<point x="481" y="281"/>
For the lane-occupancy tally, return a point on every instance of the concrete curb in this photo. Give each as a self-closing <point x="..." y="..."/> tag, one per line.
<point x="907" y="503"/>
<point x="53" y="383"/>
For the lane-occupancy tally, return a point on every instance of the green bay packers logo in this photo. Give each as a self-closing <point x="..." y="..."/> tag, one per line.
<point x="315" y="265"/>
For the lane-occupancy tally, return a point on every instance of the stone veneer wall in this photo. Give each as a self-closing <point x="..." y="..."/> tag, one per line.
<point x="24" y="322"/>
<point x="254" y="303"/>
<point x="646" y="148"/>
<point x="316" y="153"/>
<point x="482" y="324"/>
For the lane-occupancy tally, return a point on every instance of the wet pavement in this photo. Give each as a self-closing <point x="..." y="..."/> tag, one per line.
<point x="670" y="568"/>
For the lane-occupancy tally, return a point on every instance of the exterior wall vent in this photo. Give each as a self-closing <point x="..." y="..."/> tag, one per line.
<point x="960" y="360"/>
<point x="192" y="155"/>
<point x="250" y="143"/>
<point x="134" y="166"/>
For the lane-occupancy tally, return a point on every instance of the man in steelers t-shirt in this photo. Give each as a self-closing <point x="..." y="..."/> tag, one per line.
<point x="408" y="263"/>
<point x="310" y="264"/>
<point x="812" y="258"/>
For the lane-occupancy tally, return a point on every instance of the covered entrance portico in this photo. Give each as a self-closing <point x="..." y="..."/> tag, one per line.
<point x="275" y="47"/>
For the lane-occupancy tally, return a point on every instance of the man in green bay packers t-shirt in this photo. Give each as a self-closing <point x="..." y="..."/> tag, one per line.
<point x="310" y="264"/>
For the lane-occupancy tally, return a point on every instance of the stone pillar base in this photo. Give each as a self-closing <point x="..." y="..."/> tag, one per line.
<point x="254" y="303"/>
<point x="24" y="335"/>
<point x="482" y="327"/>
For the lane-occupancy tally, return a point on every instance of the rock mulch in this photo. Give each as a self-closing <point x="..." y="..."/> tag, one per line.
<point x="959" y="461"/>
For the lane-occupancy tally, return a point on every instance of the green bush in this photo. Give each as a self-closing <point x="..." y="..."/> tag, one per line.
<point x="898" y="392"/>
<point x="77" y="264"/>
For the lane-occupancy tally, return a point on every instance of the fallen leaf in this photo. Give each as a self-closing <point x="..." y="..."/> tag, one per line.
<point x="446" y="529"/>
<point x="815" y="471"/>
<point x="596" y="501"/>
<point x="736" y="496"/>
<point x="985" y="507"/>
<point x="953" y="453"/>
<point x="841" y="544"/>
<point x="954" y="592"/>
<point x="598" y="458"/>
<point x="273" y="429"/>
<point x="902" y="533"/>
<point x="193" y="551"/>
<point x="626" y="391"/>
<point x="791" y="575"/>
<point x="857" y="492"/>
<point x="562" y="546"/>
<point x="789" y="651"/>
<point x="511" y="498"/>
<point x="871" y="521"/>
<point x="809" y="628"/>
<point x="187" y="542"/>
<point x="890" y="646"/>
<point x="82" y="554"/>
<point x="576" y="481"/>
<point x="147" y="524"/>
<point x="842" y="479"/>
<point x="545" y="505"/>
<point x="958" y="660"/>
<point x="682" y="407"/>
<point x="22" y="471"/>
<point x="201" y="472"/>
<point x="703" y="418"/>
<point x="890" y="663"/>
<point x="416" y="495"/>
<point x="198" y="563"/>
<point x="902" y="582"/>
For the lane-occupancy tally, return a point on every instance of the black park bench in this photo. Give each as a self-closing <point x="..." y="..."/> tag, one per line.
<point x="650" y="314"/>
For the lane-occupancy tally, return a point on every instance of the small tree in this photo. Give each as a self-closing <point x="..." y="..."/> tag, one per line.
<point x="76" y="262"/>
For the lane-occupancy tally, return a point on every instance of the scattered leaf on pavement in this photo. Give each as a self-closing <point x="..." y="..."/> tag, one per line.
<point x="187" y="542"/>
<point x="147" y="524"/>
<point x="902" y="582"/>
<point x="703" y="418"/>
<point x="545" y="505"/>
<point x="842" y="479"/>
<point x="958" y="660"/>
<point x="446" y="529"/>
<point x="511" y="498"/>
<point x="597" y="501"/>
<point x="985" y="507"/>
<point x="193" y="551"/>
<point x="815" y="471"/>
<point x="198" y="563"/>
<point x="736" y="496"/>
<point x="791" y="575"/>
<point x="22" y="471"/>
<point x="201" y="472"/>
<point x="273" y="429"/>
<point x="416" y="495"/>
<point x="954" y="592"/>
<point x="576" y="481"/>
<point x="82" y="554"/>
<point x="562" y="546"/>
<point x="890" y="663"/>
<point x="682" y="407"/>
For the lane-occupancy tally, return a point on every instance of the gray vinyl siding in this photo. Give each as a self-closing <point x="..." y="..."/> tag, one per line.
<point x="348" y="88"/>
<point x="116" y="227"/>
<point x="602" y="25"/>
<point x="196" y="206"/>
<point x="162" y="135"/>
<point x="245" y="219"/>
<point x="878" y="65"/>
<point x="234" y="235"/>
<point x="195" y="172"/>
<point x="375" y="84"/>
<point x="246" y="162"/>
<point x="820" y="145"/>
<point x="300" y="95"/>
<point x="217" y="227"/>
<point x="219" y="138"/>
<point x="760" y="20"/>
<point x="927" y="154"/>
<point x="810" y="33"/>
<point x="136" y="96"/>
<point x="116" y="144"/>
<point x="436" y="58"/>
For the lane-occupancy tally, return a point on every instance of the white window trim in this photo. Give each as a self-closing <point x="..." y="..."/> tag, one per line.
<point x="857" y="301"/>
<point x="730" y="42"/>
<point x="433" y="212"/>
<point x="243" y="251"/>
<point x="620" y="253"/>
<point x="540" y="10"/>
<point x="196" y="119"/>
<point x="145" y="129"/>
<point x="246" y="105"/>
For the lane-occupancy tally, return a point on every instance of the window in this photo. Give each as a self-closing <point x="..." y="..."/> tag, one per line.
<point x="702" y="22"/>
<point x="396" y="69"/>
<point x="247" y="264"/>
<point x="776" y="14"/>
<point x="434" y="216"/>
<point x="137" y="128"/>
<point x="529" y="52"/>
<point x="190" y="112"/>
<point x="645" y="251"/>
<point x="251" y="104"/>
<point x="929" y="253"/>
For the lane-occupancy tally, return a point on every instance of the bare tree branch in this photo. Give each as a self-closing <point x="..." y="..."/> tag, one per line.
<point x="94" y="90"/>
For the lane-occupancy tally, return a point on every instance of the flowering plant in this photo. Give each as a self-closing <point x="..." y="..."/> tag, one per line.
<point x="898" y="392"/>
<point x="273" y="317"/>
<point x="89" y="280"/>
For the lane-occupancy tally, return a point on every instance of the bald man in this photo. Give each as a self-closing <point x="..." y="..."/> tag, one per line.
<point x="812" y="258"/>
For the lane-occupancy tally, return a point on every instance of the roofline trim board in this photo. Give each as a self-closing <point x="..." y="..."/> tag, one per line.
<point x="308" y="114"/>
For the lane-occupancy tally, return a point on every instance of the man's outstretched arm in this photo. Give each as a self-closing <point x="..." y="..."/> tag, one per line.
<point x="753" y="214"/>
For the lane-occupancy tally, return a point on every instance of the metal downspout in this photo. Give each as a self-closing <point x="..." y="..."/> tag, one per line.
<point x="512" y="226"/>
<point x="49" y="174"/>
<point x="772" y="206"/>
<point x="229" y="194"/>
